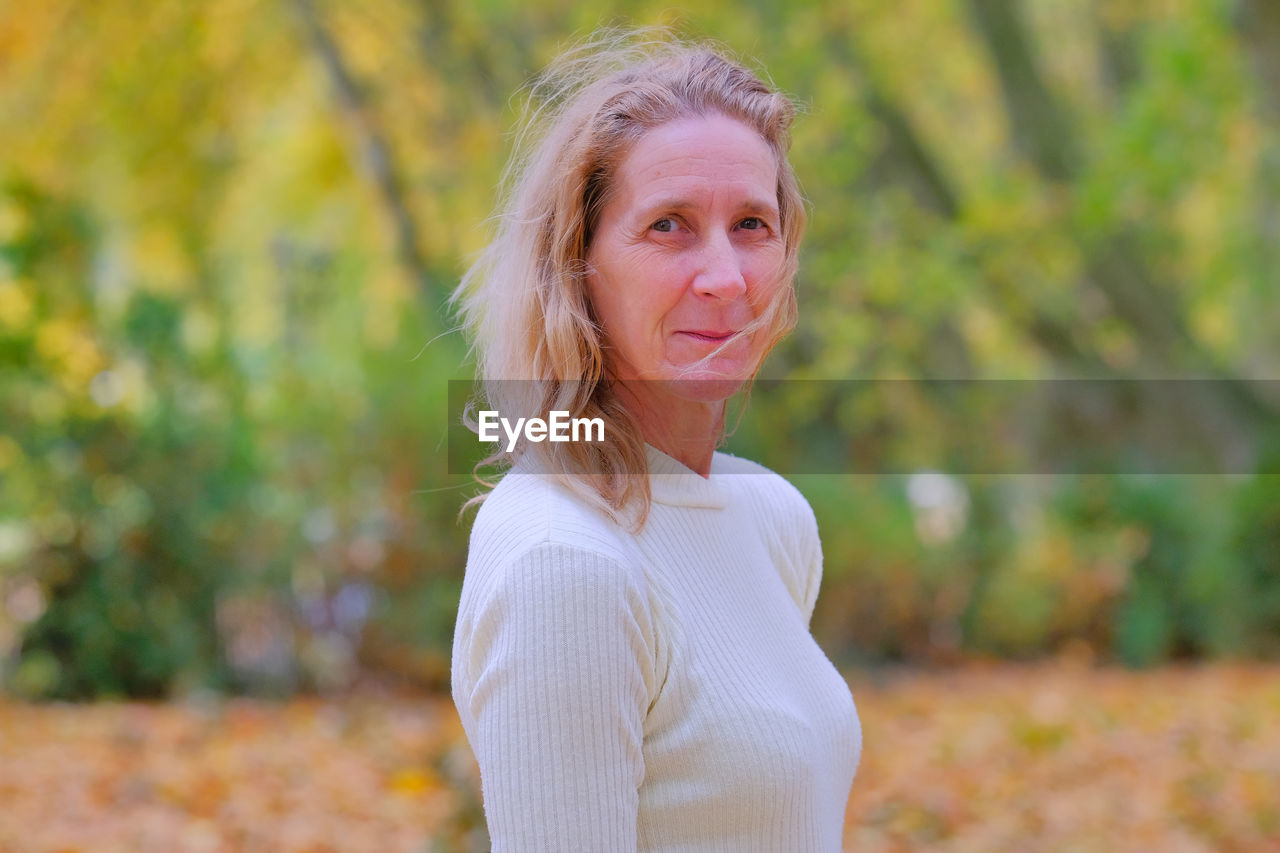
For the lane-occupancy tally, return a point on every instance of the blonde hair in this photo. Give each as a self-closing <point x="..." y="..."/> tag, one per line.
<point x="524" y="302"/>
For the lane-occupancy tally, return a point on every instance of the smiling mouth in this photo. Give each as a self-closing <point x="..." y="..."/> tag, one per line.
<point x="708" y="336"/>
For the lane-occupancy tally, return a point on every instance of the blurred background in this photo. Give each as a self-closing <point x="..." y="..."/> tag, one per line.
<point x="228" y="230"/>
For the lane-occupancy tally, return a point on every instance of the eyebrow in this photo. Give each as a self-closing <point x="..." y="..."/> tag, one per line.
<point x="751" y="206"/>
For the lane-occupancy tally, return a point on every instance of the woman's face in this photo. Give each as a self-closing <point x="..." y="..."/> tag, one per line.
<point x="688" y="250"/>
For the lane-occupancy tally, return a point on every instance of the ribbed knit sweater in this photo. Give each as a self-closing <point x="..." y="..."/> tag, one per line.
<point x="657" y="691"/>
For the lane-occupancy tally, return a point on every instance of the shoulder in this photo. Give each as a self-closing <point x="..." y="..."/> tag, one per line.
<point x="534" y="539"/>
<point x="547" y="573"/>
<point x="776" y="508"/>
<point x="527" y="511"/>
<point x="768" y="492"/>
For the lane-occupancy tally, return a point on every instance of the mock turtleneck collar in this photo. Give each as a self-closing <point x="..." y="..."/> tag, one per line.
<point x="672" y="483"/>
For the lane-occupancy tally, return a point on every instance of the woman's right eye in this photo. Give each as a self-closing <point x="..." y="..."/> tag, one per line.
<point x="665" y="225"/>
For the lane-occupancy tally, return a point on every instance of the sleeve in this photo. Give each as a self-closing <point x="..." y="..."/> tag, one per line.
<point x="793" y="543"/>
<point x="812" y="565"/>
<point x="556" y="674"/>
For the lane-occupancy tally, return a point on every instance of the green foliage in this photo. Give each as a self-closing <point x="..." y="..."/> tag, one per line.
<point x="1255" y="537"/>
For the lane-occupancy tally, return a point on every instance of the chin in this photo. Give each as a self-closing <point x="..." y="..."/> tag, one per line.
<point x="709" y="390"/>
<point x="708" y="385"/>
<point x="695" y="374"/>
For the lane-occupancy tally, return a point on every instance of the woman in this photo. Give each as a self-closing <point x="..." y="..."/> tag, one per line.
<point x="632" y="661"/>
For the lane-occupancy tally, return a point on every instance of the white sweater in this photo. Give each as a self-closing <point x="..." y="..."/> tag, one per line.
<point x="659" y="691"/>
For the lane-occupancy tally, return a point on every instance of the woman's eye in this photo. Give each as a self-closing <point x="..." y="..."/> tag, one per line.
<point x="751" y="223"/>
<point x="666" y="226"/>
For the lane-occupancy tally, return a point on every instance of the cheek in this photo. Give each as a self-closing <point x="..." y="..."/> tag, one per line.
<point x="617" y="308"/>
<point x="642" y="291"/>
<point x="764" y="276"/>
<point x="768" y="262"/>
<point x="595" y="297"/>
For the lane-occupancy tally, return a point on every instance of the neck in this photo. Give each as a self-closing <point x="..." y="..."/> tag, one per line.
<point x="686" y="430"/>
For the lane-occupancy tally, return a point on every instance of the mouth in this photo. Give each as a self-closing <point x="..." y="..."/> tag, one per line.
<point x="710" y="336"/>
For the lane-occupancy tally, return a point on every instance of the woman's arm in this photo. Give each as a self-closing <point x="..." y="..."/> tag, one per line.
<point x="812" y="563"/>
<point x="553" y="673"/>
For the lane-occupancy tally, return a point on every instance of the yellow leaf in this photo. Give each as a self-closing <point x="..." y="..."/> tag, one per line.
<point x="413" y="781"/>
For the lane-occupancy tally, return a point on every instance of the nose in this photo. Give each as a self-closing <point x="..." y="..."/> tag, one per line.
<point x="720" y="270"/>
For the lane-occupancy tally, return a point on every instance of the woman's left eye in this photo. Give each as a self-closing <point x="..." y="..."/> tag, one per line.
<point x="752" y="223"/>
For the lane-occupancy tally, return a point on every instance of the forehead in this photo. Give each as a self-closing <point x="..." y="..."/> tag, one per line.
<point x="703" y="154"/>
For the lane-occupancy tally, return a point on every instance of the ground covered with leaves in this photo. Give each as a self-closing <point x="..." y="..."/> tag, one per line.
<point x="1051" y="757"/>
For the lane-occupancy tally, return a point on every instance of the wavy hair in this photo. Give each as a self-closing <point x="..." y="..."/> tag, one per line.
<point x="524" y="302"/>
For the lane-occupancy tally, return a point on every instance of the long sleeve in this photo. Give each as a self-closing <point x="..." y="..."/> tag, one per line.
<point x="554" y="673"/>
<point x="813" y="565"/>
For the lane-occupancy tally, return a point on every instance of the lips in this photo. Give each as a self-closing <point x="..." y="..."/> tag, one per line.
<point x="711" y="336"/>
